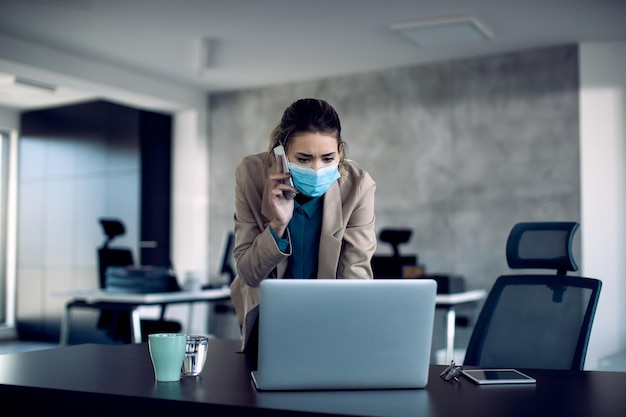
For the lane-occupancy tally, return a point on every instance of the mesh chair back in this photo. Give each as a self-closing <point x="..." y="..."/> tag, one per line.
<point x="535" y="321"/>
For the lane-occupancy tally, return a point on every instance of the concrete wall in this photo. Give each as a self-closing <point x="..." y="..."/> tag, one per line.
<point x="460" y="150"/>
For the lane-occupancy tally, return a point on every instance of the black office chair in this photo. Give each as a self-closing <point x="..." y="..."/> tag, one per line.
<point x="108" y="256"/>
<point x="540" y="321"/>
<point x="391" y="266"/>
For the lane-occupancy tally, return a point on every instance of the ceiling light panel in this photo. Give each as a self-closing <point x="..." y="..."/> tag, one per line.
<point x="38" y="85"/>
<point x="448" y="31"/>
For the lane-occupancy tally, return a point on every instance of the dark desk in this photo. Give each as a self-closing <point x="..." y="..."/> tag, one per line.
<point x="105" y="380"/>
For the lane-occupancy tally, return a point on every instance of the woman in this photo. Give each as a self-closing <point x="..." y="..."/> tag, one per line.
<point x="325" y="231"/>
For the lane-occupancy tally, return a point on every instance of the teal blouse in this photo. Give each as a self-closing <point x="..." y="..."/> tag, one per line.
<point x="305" y="228"/>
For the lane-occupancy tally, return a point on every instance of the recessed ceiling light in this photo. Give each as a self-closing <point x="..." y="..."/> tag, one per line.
<point x="39" y="85"/>
<point x="443" y="31"/>
<point x="207" y="52"/>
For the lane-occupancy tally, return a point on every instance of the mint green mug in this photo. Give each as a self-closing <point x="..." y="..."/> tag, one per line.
<point x="167" y="351"/>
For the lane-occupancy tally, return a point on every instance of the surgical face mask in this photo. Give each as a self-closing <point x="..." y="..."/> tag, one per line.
<point x="313" y="182"/>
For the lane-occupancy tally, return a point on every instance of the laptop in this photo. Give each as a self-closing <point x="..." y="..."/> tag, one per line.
<point x="327" y="334"/>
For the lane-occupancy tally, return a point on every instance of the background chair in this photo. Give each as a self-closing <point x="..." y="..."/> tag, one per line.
<point x="108" y="256"/>
<point x="116" y="323"/>
<point x="536" y="321"/>
<point x="391" y="266"/>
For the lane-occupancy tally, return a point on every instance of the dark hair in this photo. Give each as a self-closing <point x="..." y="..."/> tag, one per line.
<point x="307" y="115"/>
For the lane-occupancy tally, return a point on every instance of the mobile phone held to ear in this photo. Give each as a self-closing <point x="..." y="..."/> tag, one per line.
<point x="280" y="151"/>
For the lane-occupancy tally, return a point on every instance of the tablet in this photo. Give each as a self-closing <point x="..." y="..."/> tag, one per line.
<point x="497" y="376"/>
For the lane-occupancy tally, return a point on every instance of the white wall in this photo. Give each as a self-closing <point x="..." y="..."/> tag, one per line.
<point x="9" y="119"/>
<point x="603" y="190"/>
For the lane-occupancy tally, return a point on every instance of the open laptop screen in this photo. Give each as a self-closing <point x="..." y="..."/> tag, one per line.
<point x="345" y="334"/>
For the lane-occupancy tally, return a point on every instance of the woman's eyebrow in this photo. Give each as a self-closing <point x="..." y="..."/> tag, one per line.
<point x="308" y="155"/>
<point x="302" y="154"/>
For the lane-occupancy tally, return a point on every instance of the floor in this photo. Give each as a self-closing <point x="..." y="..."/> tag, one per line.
<point x="15" y="346"/>
<point x="615" y="362"/>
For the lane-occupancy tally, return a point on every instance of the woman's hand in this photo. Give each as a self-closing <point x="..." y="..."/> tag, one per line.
<point x="281" y="198"/>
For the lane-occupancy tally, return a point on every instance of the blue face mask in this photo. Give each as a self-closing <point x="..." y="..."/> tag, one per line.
<point x="312" y="182"/>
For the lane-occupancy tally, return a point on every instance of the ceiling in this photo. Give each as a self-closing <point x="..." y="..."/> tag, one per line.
<point x="220" y="45"/>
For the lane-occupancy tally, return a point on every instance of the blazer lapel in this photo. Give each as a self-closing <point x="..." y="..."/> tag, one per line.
<point x="332" y="224"/>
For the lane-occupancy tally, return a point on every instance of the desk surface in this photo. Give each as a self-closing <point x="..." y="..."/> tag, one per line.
<point x="99" y="380"/>
<point x="460" y="298"/>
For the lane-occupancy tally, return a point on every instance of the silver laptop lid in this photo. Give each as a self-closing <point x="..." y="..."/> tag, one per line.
<point x="345" y="334"/>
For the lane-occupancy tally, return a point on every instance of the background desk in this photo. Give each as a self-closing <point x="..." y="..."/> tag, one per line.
<point x="99" y="299"/>
<point x="449" y="302"/>
<point x="105" y="380"/>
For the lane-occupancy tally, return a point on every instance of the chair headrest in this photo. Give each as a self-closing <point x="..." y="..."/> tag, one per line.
<point x="542" y="245"/>
<point x="395" y="237"/>
<point x="112" y="227"/>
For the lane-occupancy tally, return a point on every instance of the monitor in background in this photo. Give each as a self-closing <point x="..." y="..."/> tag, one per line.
<point x="227" y="260"/>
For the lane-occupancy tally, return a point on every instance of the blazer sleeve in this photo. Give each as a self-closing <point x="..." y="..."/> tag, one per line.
<point x="256" y="252"/>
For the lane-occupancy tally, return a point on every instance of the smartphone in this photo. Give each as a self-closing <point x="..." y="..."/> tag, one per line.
<point x="497" y="376"/>
<point x="280" y="151"/>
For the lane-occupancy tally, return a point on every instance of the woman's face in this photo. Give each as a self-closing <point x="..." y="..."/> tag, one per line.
<point x="313" y="150"/>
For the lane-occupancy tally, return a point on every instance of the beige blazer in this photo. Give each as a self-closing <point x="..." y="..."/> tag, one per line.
<point x="347" y="240"/>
